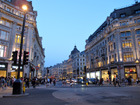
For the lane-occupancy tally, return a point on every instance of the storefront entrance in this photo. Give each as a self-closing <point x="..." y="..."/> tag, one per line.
<point x="131" y="71"/>
<point x="114" y="73"/>
<point x="14" y="74"/>
<point x="105" y="75"/>
<point x="3" y="69"/>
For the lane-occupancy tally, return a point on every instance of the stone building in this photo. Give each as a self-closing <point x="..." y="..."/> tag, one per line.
<point x="11" y="20"/>
<point x="115" y="46"/>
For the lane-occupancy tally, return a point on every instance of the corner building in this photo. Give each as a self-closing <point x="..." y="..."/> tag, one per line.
<point x="115" y="45"/>
<point x="11" y="20"/>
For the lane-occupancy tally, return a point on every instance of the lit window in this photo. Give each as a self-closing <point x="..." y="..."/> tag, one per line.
<point x="3" y="50"/>
<point x="18" y="39"/>
<point x="128" y="57"/>
<point x="127" y="44"/>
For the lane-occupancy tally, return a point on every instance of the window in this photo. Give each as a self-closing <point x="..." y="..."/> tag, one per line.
<point x="5" y="22"/>
<point x="122" y="15"/>
<point x="126" y="44"/>
<point x="3" y="50"/>
<point x="123" y="23"/>
<point x="18" y="39"/>
<point x="9" y="0"/>
<point x="114" y="46"/>
<point x="8" y="9"/>
<point x="4" y="35"/>
<point x="124" y="34"/>
<point x="138" y="31"/>
<point x="137" y="20"/>
<point x="128" y="57"/>
<point x="137" y="11"/>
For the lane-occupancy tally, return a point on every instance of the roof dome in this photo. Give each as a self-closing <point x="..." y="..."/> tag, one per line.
<point x="74" y="51"/>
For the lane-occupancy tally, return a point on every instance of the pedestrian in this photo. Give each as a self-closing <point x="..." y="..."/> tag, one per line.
<point x="50" y="81"/>
<point x="54" y="81"/>
<point x="33" y="82"/>
<point x="118" y="81"/>
<point x="137" y="81"/>
<point x="114" y="82"/>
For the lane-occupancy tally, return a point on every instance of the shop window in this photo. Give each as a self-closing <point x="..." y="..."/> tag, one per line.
<point x="2" y="73"/>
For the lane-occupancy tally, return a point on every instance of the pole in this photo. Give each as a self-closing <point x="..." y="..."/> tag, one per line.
<point x="17" y="86"/>
<point x="21" y="45"/>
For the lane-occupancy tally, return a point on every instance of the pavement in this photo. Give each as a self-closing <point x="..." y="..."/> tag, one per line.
<point x="8" y="91"/>
<point x="75" y="95"/>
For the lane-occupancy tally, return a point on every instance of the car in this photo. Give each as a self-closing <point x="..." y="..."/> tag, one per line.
<point x="92" y="80"/>
<point x="67" y="80"/>
<point x="74" y="80"/>
<point x="81" y="81"/>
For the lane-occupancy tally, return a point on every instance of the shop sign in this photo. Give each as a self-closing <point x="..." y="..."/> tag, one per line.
<point x="3" y="66"/>
<point x="16" y="67"/>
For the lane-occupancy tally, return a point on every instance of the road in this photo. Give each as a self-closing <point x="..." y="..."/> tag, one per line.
<point x="42" y="95"/>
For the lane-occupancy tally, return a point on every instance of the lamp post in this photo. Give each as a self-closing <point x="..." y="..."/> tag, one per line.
<point x="17" y="86"/>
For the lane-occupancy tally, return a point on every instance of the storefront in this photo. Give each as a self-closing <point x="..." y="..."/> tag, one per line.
<point x="15" y="71"/>
<point x="114" y="73"/>
<point x="105" y="75"/>
<point x="3" y="69"/>
<point x="131" y="71"/>
<point x="94" y="74"/>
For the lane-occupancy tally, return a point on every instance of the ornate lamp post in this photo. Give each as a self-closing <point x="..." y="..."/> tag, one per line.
<point x="17" y="86"/>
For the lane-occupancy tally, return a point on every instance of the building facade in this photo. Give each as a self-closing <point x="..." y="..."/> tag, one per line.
<point x="115" y="46"/>
<point x="71" y="68"/>
<point x="11" y="20"/>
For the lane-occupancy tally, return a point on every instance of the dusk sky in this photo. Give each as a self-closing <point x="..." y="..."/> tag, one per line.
<point x="66" y="23"/>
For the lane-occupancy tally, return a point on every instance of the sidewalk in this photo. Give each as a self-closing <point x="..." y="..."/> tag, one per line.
<point x="5" y="91"/>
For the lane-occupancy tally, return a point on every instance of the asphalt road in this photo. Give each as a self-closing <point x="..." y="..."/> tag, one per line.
<point x="129" y="95"/>
<point x="36" y="97"/>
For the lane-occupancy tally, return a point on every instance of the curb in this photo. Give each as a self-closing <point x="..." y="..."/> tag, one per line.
<point x="18" y="95"/>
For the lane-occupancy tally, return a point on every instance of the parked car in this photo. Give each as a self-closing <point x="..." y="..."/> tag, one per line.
<point x="92" y="80"/>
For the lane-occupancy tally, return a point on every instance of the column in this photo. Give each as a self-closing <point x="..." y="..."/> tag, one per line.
<point x="138" y="70"/>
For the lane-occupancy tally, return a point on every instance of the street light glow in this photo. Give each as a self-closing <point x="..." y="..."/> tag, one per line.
<point x="24" y="7"/>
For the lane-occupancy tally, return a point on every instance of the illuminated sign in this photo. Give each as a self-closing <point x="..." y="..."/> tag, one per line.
<point x="16" y="67"/>
<point x="2" y="66"/>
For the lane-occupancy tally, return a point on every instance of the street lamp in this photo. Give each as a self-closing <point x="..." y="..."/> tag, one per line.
<point x="17" y="86"/>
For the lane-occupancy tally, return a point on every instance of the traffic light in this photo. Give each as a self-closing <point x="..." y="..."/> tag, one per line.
<point x="85" y="70"/>
<point x="77" y="71"/>
<point x="25" y="58"/>
<point x="14" y="57"/>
